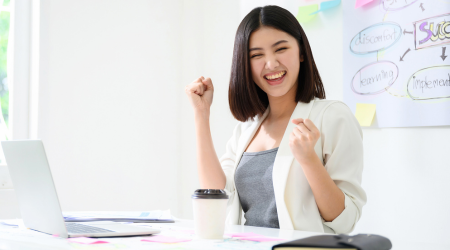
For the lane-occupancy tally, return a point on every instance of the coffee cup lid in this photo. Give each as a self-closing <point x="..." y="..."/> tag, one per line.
<point x="210" y="194"/>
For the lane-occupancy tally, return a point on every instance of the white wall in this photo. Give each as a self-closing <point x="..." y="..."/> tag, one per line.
<point x="109" y="102"/>
<point x="119" y="130"/>
<point x="112" y="111"/>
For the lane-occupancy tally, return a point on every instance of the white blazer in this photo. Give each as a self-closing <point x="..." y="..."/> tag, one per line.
<point x="339" y="147"/>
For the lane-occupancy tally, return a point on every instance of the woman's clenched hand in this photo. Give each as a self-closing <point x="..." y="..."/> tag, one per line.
<point x="200" y="94"/>
<point x="303" y="139"/>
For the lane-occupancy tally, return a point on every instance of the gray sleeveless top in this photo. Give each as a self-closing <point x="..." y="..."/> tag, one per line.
<point x="253" y="179"/>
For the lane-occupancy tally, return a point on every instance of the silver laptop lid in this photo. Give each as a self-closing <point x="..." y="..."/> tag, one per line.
<point x="34" y="187"/>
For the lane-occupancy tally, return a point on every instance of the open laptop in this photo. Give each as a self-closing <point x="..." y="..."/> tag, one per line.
<point x="38" y="200"/>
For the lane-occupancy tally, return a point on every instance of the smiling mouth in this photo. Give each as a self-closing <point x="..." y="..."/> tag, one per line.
<point x="275" y="76"/>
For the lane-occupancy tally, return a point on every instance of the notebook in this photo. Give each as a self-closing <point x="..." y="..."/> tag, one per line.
<point x="341" y="242"/>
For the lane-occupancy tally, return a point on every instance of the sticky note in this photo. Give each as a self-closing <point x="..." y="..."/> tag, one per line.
<point x="304" y="12"/>
<point x="260" y="239"/>
<point x="249" y="234"/>
<point x="365" y="113"/>
<point x="360" y="3"/>
<point x="165" y="239"/>
<point x="327" y="5"/>
<point x="85" y="240"/>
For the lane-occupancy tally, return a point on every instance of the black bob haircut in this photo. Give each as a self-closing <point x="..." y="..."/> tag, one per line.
<point x="246" y="99"/>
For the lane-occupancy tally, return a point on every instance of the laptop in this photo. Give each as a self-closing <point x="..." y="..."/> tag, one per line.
<point x="38" y="200"/>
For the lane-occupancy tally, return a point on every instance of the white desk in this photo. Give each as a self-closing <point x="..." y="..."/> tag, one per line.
<point x="24" y="239"/>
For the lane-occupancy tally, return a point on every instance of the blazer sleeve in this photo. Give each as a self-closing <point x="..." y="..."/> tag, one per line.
<point x="228" y="160"/>
<point x="342" y="149"/>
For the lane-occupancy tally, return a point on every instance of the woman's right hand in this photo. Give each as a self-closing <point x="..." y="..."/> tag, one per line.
<point x="200" y="94"/>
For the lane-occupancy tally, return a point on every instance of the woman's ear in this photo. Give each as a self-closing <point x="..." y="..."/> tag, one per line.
<point x="301" y="58"/>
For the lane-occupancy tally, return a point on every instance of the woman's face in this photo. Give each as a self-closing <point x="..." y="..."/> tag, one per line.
<point x="274" y="60"/>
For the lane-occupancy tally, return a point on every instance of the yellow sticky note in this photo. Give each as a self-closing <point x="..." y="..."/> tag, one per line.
<point x="304" y="12"/>
<point x="365" y="113"/>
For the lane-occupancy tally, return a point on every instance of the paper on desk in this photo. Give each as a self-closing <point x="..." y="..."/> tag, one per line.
<point x="7" y="224"/>
<point x="187" y="231"/>
<point x="165" y="239"/>
<point x="249" y="234"/>
<point x="156" y="214"/>
<point x="139" y="215"/>
<point x="260" y="239"/>
<point x="85" y="240"/>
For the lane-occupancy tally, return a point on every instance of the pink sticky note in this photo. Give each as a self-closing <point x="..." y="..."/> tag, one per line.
<point x="260" y="239"/>
<point x="360" y="3"/>
<point x="250" y="234"/>
<point x="84" y="240"/>
<point x="164" y="239"/>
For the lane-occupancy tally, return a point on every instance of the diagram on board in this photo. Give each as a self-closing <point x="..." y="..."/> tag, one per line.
<point x="395" y="56"/>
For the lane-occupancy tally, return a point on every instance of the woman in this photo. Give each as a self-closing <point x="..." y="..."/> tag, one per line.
<point x="295" y="160"/>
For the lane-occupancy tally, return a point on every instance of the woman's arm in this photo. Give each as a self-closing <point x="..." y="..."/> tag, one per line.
<point x="342" y="146"/>
<point x="329" y="198"/>
<point x="211" y="175"/>
<point x="210" y="172"/>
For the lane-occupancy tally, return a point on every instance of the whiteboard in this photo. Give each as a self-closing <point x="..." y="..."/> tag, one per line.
<point x="395" y="57"/>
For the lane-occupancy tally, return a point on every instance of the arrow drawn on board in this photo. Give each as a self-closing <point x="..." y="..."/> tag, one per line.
<point x="421" y="6"/>
<point x="394" y="94"/>
<point x="401" y="58"/>
<point x="409" y="32"/>
<point x="443" y="56"/>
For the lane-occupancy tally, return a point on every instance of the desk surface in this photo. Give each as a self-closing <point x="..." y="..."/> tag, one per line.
<point x="22" y="238"/>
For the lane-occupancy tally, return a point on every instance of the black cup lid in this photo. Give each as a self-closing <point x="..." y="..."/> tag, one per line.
<point x="210" y="194"/>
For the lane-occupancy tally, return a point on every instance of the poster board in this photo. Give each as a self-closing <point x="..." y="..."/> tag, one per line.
<point x="396" y="57"/>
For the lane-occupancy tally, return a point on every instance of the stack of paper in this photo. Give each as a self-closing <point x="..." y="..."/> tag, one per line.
<point x="162" y="216"/>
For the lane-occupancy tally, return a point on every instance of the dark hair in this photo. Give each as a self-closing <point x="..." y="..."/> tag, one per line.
<point x="247" y="99"/>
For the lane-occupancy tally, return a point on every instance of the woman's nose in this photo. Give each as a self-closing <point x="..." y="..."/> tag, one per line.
<point x="272" y="63"/>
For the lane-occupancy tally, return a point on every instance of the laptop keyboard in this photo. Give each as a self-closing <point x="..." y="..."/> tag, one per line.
<point x="76" y="228"/>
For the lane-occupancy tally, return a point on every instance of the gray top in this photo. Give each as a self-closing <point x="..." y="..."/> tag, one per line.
<point x="254" y="184"/>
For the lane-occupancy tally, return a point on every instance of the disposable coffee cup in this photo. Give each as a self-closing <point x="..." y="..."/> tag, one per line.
<point x="210" y="206"/>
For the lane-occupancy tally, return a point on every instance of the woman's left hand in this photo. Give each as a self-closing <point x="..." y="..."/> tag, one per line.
<point x="303" y="139"/>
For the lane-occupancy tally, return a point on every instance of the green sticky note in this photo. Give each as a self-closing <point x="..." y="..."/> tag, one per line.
<point x="365" y="113"/>
<point x="304" y="12"/>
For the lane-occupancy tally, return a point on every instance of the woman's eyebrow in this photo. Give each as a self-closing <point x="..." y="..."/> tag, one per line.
<point x="275" y="44"/>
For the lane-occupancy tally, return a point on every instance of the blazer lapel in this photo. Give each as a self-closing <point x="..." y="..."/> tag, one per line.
<point x="282" y="164"/>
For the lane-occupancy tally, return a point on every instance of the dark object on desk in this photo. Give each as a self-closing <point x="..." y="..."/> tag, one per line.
<point x="134" y="220"/>
<point x="341" y="241"/>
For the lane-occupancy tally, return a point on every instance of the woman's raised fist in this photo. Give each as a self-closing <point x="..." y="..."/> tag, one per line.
<point x="200" y="93"/>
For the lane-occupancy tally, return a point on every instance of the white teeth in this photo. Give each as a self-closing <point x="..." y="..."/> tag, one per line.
<point x="276" y="76"/>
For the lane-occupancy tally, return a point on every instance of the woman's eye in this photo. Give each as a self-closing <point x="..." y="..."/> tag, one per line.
<point x="281" y="49"/>
<point x="255" y="55"/>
